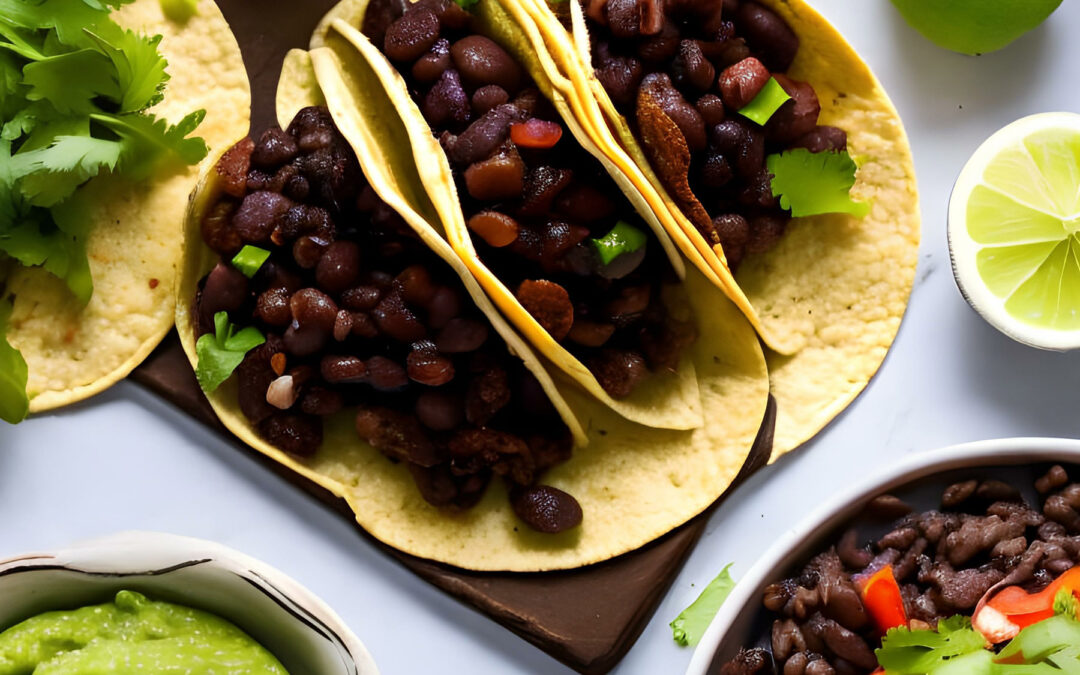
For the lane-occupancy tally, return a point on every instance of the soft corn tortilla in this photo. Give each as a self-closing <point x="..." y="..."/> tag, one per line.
<point x="829" y="298"/>
<point x="663" y="400"/>
<point x="634" y="483"/>
<point x="72" y="351"/>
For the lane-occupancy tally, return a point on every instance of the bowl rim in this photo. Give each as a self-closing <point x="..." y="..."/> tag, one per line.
<point x="146" y="553"/>
<point x="910" y="467"/>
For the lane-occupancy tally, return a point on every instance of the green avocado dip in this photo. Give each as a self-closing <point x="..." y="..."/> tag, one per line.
<point x="131" y="635"/>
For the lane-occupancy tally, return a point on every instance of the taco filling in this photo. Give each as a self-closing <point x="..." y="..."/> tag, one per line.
<point x="542" y="214"/>
<point x="705" y="86"/>
<point x="985" y="584"/>
<point x="358" y="313"/>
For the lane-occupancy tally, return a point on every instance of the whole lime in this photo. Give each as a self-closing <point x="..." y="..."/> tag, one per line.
<point x="975" y="26"/>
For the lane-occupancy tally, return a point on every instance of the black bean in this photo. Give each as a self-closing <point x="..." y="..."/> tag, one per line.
<point x="768" y="36"/>
<point x="712" y="110"/>
<point x="483" y="136"/>
<point x="488" y="393"/>
<point x="427" y="366"/>
<point x="275" y="147"/>
<point x="741" y="144"/>
<point x="225" y="290"/>
<point x="822" y="139"/>
<point x="796" y="117"/>
<point x="339" y="267"/>
<point x="272" y="307"/>
<point x="547" y="509"/>
<point x="716" y="172"/>
<point x="662" y="47"/>
<point x="432" y="65"/>
<point x="397" y="435"/>
<point x="313" y="128"/>
<point x="765" y="232"/>
<point x="296" y="434"/>
<point x="487" y="98"/>
<point x="304" y="341"/>
<point x="258" y="215"/>
<point x="543" y="185"/>
<point x="342" y="369"/>
<point x="232" y="169"/>
<point x="446" y="104"/>
<point x="481" y="62"/>
<point x="386" y="375"/>
<point x="361" y="298"/>
<point x="659" y="88"/>
<point x="757" y="191"/>
<point x="618" y="371"/>
<point x="461" y="336"/>
<point x="741" y="82"/>
<point x="445" y="305"/>
<point x="691" y="70"/>
<point x="413" y="34"/>
<point x="312" y="307"/>
<point x="321" y="401"/>
<point x="415" y="285"/>
<point x="620" y="75"/>
<point x="584" y="203"/>
<point x="396" y="320"/>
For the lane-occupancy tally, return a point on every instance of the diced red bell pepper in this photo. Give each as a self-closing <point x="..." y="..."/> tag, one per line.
<point x="536" y="133"/>
<point x="881" y="597"/>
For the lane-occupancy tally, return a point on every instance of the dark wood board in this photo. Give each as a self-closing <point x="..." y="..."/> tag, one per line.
<point x="587" y="618"/>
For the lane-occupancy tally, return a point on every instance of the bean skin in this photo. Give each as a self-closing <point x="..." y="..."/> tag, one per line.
<point x="740" y="83"/>
<point x="481" y="61"/>
<point x="547" y="509"/>
<point x="768" y="36"/>
<point x="413" y="34"/>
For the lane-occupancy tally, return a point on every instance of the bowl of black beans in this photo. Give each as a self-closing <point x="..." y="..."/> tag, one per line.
<point x="924" y="546"/>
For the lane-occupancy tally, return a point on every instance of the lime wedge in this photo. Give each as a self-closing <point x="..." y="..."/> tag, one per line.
<point x="1014" y="230"/>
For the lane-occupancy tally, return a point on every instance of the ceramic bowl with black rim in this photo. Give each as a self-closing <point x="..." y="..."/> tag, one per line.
<point x="919" y="480"/>
<point x="304" y="634"/>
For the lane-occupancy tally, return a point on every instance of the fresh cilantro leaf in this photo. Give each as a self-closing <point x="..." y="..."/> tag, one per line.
<point x="811" y="183"/>
<point x="72" y="81"/>
<point x="67" y="17"/>
<point x="688" y="628"/>
<point x="61" y="254"/>
<point x="52" y="174"/>
<point x="180" y="11"/>
<point x="766" y="103"/>
<point x="219" y="354"/>
<point x="917" y="652"/>
<point x="140" y="68"/>
<point x="147" y="138"/>
<point x="29" y="45"/>
<point x="14" y="403"/>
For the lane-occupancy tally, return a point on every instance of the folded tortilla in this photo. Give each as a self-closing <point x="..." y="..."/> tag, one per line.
<point x="662" y="400"/>
<point x="828" y="300"/>
<point x="75" y="351"/>
<point x="634" y="483"/>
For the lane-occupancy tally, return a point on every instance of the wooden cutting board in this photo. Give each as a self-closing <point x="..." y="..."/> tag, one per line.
<point x="587" y="618"/>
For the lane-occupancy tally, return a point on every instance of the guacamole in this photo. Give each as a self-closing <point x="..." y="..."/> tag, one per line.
<point x="131" y="635"/>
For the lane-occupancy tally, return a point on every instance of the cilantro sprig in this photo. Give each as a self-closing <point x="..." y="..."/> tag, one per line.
<point x="75" y="89"/>
<point x="688" y="628"/>
<point x="812" y="183"/>
<point x="221" y="352"/>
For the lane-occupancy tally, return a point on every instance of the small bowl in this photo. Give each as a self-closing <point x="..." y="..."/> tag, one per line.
<point x="280" y="614"/>
<point x="738" y="622"/>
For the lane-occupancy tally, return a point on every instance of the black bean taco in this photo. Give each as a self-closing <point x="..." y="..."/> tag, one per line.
<point x="336" y="331"/>
<point x="775" y="161"/>
<point x="586" y="274"/>
<point x="102" y="141"/>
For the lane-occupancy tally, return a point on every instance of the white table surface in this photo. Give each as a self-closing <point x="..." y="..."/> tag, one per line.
<point x="126" y="460"/>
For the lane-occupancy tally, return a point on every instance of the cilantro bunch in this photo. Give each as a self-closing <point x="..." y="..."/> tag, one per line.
<point x="75" y="88"/>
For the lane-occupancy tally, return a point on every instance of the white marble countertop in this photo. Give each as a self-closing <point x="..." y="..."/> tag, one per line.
<point x="129" y="461"/>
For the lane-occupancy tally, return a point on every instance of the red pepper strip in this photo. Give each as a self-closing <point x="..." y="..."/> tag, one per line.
<point x="881" y="597"/>
<point x="536" y="133"/>
<point x="1025" y="608"/>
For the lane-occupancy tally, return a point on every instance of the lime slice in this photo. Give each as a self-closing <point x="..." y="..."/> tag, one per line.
<point x="1014" y="230"/>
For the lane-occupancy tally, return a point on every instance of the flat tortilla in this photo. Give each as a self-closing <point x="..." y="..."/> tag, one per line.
<point x="829" y="298"/>
<point x="74" y="352"/>
<point x="634" y="483"/>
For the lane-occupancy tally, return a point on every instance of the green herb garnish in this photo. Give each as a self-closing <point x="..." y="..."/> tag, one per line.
<point x="688" y="628"/>
<point x="812" y="183"/>
<point x="918" y="652"/>
<point x="766" y="103"/>
<point x="250" y="259"/>
<point x="14" y="403"/>
<point x="1055" y="641"/>
<point x="623" y="238"/>
<point x="180" y="11"/>
<point x="466" y="4"/>
<point x="74" y="92"/>
<point x="219" y="354"/>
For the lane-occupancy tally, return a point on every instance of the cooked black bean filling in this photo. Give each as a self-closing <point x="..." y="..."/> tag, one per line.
<point x="944" y="561"/>
<point x="531" y="200"/>
<point x="705" y="60"/>
<point x="358" y="313"/>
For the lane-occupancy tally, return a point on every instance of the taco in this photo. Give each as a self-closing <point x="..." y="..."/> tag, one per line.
<point x="121" y="232"/>
<point x="738" y="114"/>
<point x="587" y="275"/>
<point x="424" y="415"/>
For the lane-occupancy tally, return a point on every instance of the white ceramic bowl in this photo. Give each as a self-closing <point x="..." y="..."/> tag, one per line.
<point x="733" y="624"/>
<point x="283" y="616"/>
